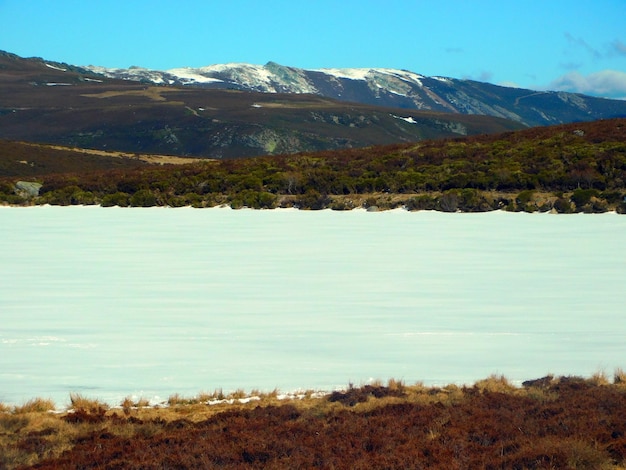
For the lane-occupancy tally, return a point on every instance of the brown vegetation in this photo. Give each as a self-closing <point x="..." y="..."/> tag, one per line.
<point x="566" y="422"/>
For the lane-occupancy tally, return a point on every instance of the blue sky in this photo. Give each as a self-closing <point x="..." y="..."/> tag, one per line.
<point x="571" y="45"/>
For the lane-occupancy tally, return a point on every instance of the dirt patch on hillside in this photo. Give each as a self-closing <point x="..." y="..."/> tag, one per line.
<point x="153" y="93"/>
<point x="154" y="159"/>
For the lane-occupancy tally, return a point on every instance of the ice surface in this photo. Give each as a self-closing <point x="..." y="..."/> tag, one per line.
<point x="112" y="302"/>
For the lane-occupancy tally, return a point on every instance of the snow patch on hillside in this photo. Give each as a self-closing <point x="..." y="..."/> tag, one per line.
<point x="55" y="68"/>
<point x="131" y="73"/>
<point x="352" y="74"/>
<point x="191" y="75"/>
<point x="408" y="119"/>
<point x="367" y="74"/>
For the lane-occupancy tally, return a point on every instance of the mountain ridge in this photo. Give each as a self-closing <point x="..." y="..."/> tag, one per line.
<point x="50" y="102"/>
<point x="387" y="87"/>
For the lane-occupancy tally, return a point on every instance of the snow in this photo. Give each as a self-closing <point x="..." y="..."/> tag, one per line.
<point x="102" y="70"/>
<point x="192" y="75"/>
<point x="55" y="68"/>
<point x="395" y="92"/>
<point x="368" y="73"/>
<point x="230" y="401"/>
<point x="226" y="67"/>
<point x="263" y="78"/>
<point x="352" y="74"/>
<point x="255" y="72"/>
<point x="405" y="75"/>
<point x="409" y="119"/>
<point x="132" y="73"/>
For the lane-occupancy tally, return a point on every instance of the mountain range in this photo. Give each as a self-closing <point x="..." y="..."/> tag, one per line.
<point x="389" y="88"/>
<point x="242" y="110"/>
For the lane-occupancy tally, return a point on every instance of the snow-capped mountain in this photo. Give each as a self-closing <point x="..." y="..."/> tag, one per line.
<point x="46" y="101"/>
<point x="281" y="110"/>
<point x="387" y="87"/>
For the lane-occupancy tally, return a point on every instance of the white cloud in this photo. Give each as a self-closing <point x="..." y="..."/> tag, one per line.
<point x="606" y="83"/>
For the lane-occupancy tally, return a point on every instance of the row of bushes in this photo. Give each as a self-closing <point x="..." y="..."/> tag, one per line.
<point x="463" y="200"/>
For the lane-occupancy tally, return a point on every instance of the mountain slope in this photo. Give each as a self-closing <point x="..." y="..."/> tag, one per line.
<point x="42" y="101"/>
<point x="389" y="87"/>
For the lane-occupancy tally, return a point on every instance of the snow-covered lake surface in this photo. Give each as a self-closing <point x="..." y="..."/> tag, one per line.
<point x="111" y="302"/>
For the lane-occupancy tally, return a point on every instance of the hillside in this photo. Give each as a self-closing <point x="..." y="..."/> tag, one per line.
<point x="568" y="168"/>
<point x="54" y="103"/>
<point x="391" y="88"/>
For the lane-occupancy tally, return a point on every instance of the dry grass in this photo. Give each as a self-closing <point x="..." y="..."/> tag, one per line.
<point x="600" y="378"/>
<point x="91" y="405"/>
<point x="36" y="405"/>
<point x="619" y="377"/>
<point x="495" y="383"/>
<point x="148" y="158"/>
<point x="29" y="433"/>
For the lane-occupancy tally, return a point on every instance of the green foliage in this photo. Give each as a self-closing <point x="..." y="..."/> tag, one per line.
<point x="446" y="175"/>
<point x="563" y="205"/>
<point x="116" y="199"/>
<point x="449" y="201"/>
<point x="253" y="199"/>
<point x="12" y="198"/>
<point x="612" y="197"/>
<point x="69" y="195"/>
<point x="421" y="202"/>
<point x="580" y="197"/>
<point x="524" y="197"/>
<point x="143" y="198"/>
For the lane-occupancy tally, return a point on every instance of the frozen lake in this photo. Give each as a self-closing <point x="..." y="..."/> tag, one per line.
<point x="112" y="302"/>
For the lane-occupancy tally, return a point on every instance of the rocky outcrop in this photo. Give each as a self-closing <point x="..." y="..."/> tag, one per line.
<point x="27" y="189"/>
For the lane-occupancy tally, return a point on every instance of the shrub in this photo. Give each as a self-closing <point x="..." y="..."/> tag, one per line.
<point x="525" y="197"/>
<point x="253" y="199"/>
<point x="580" y="197"/>
<point x="612" y="197"/>
<point x="563" y="205"/>
<point x="472" y="200"/>
<point x="143" y="198"/>
<point x="85" y="198"/>
<point x="115" y="199"/>
<point x="10" y="198"/>
<point x="313" y="199"/>
<point x="448" y="201"/>
<point x="421" y="202"/>
<point x="63" y="197"/>
<point x="340" y="205"/>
